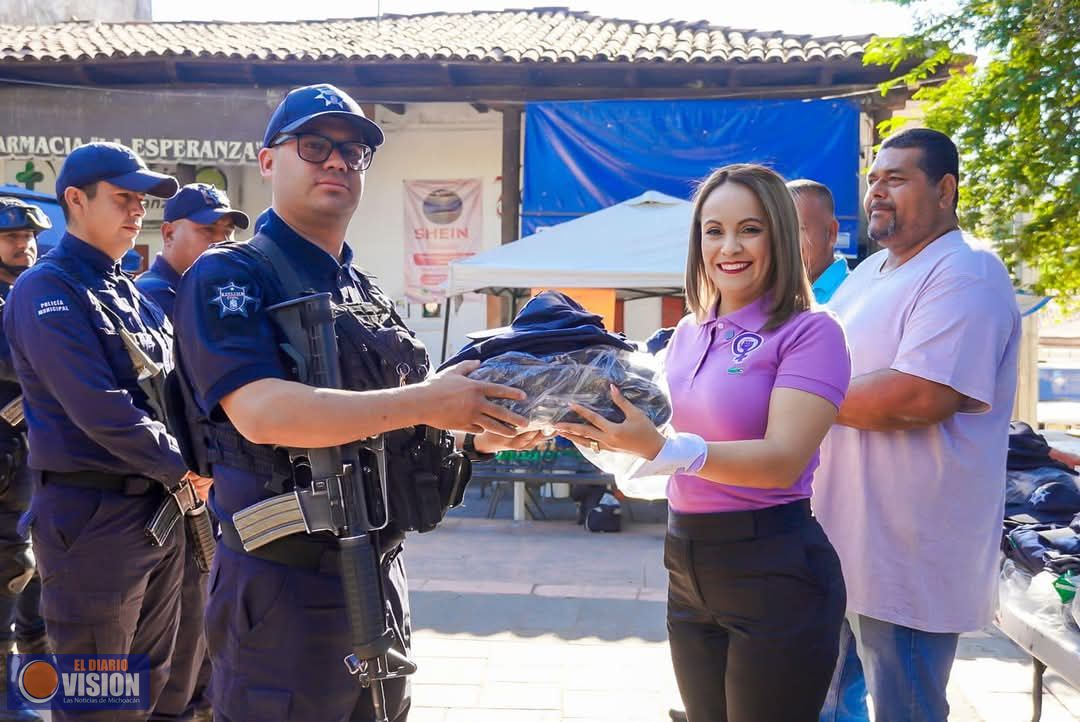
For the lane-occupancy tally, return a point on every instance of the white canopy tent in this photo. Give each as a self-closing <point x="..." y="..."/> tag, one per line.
<point x="637" y="247"/>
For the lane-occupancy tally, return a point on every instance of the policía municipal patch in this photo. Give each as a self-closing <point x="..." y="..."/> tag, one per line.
<point x="233" y="299"/>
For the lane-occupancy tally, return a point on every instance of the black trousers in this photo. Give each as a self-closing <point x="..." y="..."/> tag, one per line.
<point x="755" y="605"/>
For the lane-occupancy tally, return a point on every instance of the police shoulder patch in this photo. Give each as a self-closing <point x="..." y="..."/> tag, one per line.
<point x="52" y="305"/>
<point x="234" y="299"/>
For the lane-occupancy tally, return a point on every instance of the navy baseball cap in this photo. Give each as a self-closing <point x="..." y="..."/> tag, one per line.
<point x="16" y="215"/>
<point x="302" y="105"/>
<point x="116" y="164"/>
<point x="202" y="203"/>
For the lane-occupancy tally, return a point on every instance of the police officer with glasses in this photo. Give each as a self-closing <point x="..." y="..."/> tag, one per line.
<point x="278" y="621"/>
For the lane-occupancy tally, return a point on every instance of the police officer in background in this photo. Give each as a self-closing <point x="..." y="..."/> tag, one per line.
<point x="276" y="619"/>
<point x="101" y="456"/>
<point x="20" y="587"/>
<point x="196" y="217"/>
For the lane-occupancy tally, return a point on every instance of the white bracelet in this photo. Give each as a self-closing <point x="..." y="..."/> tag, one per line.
<point x="682" y="453"/>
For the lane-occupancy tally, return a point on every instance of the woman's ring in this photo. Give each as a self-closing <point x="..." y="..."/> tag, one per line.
<point x="595" y="446"/>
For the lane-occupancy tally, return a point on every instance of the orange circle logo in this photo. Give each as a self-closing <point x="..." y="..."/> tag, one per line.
<point x="38" y="681"/>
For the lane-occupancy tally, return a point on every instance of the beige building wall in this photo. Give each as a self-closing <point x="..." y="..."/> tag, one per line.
<point x="46" y="12"/>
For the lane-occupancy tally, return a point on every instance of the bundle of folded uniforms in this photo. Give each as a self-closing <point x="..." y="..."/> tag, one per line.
<point x="1042" y="510"/>
<point x="558" y="353"/>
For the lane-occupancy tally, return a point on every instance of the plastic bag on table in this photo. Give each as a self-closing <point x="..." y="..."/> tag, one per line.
<point x="1013" y="585"/>
<point x="1044" y="602"/>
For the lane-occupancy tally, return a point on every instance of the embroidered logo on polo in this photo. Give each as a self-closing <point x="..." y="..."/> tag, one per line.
<point x="744" y="345"/>
<point x="233" y="299"/>
<point x="741" y="347"/>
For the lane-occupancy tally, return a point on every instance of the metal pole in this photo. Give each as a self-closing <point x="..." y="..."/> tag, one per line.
<point x="445" y="329"/>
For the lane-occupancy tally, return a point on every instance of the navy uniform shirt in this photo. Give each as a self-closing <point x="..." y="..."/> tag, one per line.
<point x="7" y="368"/>
<point x="84" y="408"/>
<point x="226" y="339"/>
<point x="159" y="283"/>
<point x="9" y="382"/>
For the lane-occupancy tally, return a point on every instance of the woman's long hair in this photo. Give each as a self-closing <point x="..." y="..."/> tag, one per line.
<point x="786" y="282"/>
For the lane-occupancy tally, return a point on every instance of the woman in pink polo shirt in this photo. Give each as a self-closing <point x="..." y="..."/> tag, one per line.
<point x="755" y="597"/>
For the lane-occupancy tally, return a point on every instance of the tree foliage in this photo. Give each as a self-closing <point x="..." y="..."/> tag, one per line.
<point x="1014" y="111"/>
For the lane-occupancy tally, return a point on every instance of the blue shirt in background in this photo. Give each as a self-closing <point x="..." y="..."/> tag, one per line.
<point x="830" y="280"/>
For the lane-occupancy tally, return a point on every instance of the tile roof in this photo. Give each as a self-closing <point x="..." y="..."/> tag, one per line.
<point x="554" y="35"/>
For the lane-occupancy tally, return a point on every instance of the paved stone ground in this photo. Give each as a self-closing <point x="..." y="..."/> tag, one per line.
<point x="544" y="622"/>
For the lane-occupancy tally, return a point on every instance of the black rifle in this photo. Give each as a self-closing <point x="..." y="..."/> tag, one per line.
<point x="342" y="490"/>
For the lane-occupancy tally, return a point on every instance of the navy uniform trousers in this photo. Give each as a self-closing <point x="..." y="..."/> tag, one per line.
<point x="23" y="609"/>
<point x="278" y="636"/>
<point x="189" y="676"/>
<point x="104" y="588"/>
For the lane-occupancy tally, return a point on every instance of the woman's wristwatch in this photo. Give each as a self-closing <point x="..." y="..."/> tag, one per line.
<point x="471" y="453"/>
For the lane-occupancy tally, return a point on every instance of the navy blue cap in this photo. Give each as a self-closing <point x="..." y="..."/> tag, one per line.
<point x="116" y="164"/>
<point x="16" y="214"/>
<point x="302" y="105"/>
<point x="202" y="203"/>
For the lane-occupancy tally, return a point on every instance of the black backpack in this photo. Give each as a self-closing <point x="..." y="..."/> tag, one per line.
<point x="605" y="515"/>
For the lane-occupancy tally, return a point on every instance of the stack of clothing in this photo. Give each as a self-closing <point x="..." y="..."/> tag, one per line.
<point x="558" y="353"/>
<point x="1042" y="507"/>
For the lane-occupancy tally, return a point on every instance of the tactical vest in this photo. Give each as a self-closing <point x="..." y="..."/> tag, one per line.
<point x="426" y="476"/>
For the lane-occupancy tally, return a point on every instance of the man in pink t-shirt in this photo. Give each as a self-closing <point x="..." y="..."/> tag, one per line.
<point x="911" y="484"/>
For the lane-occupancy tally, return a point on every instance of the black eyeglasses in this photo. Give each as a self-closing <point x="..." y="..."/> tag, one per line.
<point x="315" y="148"/>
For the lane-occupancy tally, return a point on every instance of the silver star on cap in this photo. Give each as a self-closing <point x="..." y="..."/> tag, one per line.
<point x="330" y="98"/>
<point x="212" y="196"/>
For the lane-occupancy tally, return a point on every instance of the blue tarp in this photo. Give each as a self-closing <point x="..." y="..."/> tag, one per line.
<point x="584" y="156"/>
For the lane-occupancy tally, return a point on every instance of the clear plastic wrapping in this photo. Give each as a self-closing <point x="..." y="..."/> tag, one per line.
<point x="554" y="381"/>
<point x="1038" y="598"/>
<point x="583" y="376"/>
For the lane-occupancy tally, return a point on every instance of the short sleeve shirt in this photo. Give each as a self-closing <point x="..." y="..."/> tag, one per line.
<point x="225" y="336"/>
<point x="916" y="515"/>
<point x="830" y="280"/>
<point x="722" y="373"/>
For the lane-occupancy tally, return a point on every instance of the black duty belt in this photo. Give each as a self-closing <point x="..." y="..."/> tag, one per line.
<point x="728" y="526"/>
<point x="315" y="553"/>
<point x="129" y="485"/>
